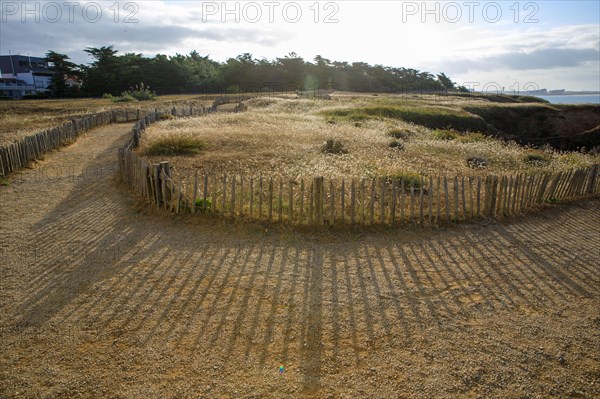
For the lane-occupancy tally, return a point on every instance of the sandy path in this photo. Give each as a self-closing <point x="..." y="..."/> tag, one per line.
<point x="100" y="300"/>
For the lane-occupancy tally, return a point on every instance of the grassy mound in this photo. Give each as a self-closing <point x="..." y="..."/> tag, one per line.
<point x="431" y="117"/>
<point x="501" y="98"/>
<point x="174" y="145"/>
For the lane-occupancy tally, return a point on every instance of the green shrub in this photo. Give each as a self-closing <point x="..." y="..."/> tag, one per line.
<point x="409" y="179"/>
<point x="140" y="93"/>
<point x="400" y="134"/>
<point x="396" y="145"/>
<point x="107" y="96"/>
<point x="332" y="146"/>
<point x="477" y="162"/>
<point x="203" y="206"/>
<point x="175" y="145"/>
<point x="535" y="159"/>
<point x="137" y="93"/>
<point x="445" y="134"/>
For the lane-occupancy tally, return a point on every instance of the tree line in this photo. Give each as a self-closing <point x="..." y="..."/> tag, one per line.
<point x="112" y="73"/>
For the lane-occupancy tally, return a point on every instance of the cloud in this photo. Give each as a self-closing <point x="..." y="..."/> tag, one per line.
<point x="544" y="59"/>
<point x="364" y="33"/>
<point x="561" y="47"/>
<point x="159" y="29"/>
<point x="518" y="60"/>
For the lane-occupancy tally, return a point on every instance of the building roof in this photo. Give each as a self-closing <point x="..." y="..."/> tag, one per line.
<point x="14" y="64"/>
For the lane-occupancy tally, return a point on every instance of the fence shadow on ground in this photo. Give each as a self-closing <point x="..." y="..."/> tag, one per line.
<point x="97" y="265"/>
<point x="176" y="295"/>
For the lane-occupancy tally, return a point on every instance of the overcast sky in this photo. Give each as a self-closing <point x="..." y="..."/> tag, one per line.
<point x="513" y="44"/>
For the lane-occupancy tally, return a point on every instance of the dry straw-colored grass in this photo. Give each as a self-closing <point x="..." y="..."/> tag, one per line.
<point x="283" y="137"/>
<point x="25" y="117"/>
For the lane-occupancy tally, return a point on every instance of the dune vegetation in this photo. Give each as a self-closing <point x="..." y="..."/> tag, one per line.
<point x="379" y="135"/>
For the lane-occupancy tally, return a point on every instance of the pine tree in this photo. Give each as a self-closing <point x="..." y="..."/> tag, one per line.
<point x="62" y="67"/>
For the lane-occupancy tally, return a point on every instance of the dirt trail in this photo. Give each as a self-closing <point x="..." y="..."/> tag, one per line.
<point x="100" y="300"/>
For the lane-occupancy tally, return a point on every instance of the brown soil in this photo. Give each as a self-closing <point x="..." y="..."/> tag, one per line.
<point x="101" y="300"/>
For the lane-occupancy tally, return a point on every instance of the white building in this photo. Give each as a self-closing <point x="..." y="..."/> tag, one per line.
<point x="21" y="75"/>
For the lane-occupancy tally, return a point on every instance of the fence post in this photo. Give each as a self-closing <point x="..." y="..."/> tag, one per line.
<point x="509" y="196"/>
<point x="500" y="196"/>
<point x="233" y="183"/>
<point x="402" y="194"/>
<point x="280" y="200"/>
<point x="456" y="199"/>
<point x="488" y="196"/>
<point x="224" y="198"/>
<point x="494" y="187"/>
<point x="318" y="199"/>
<point x="241" y="195"/>
<point x="180" y="187"/>
<point x="394" y="195"/>
<point x="592" y="181"/>
<point x="412" y="201"/>
<point x="430" y="200"/>
<point x="331" y="202"/>
<point x="343" y="201"/>
<point x="157" y="189"/>
<point x="291" y="201"/>
<point x="301" y="201"/>
<point x="166" y="169"/>
<point x="195" y="194"/>
<point x="382" y="201"/>
<point x="372" y="205"/>
<point x="542" y="189"/>
<point x="136" y="137"/>
<point x="352" y="201"/>
<point x="213" y="204"/>
<point x="362" y="200"/>
<point x="270" y="203"/>
<point x="421" y="201"/>
<point x="446" y="204"/>
<point x="581" y="182"/>
<point x="260" y="197"/>
<point x="149" y="181"/>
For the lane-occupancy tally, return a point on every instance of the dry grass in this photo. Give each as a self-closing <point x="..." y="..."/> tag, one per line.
<point x="22" y="118"/>
<point x="101" y="300"/>
<point x="284" y="138"/>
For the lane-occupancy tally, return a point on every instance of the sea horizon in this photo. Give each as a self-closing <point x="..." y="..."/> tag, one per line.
<point x="572" y="98"/>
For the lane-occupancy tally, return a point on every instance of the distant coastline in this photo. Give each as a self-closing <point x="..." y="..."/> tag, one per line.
<point x="588" y="98"/>
<point x="569" y="93"/>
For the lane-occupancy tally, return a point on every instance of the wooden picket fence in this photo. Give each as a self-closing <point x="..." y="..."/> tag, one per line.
<point x="424" y="201"/>
<point x="21" y="153"/>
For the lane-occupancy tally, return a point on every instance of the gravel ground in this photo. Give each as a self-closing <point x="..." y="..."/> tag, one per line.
<point x="102" y="299"/>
